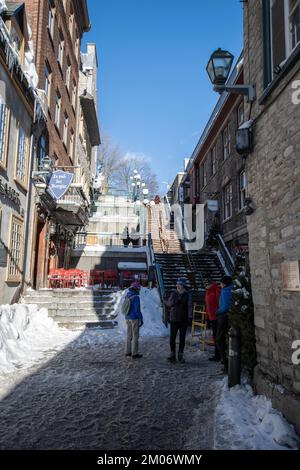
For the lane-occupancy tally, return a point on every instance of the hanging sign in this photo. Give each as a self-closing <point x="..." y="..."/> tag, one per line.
<point x="213" y="205"/>
<point x="59" y="183"/>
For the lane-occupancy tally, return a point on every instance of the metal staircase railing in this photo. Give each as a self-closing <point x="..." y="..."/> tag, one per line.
<point x="224" y="252"/>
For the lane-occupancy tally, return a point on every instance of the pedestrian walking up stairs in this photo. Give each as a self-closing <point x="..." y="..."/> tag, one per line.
<point x="76" y="308"/>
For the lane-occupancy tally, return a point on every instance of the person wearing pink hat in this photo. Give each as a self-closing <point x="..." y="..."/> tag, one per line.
<point x="134" y="320"/>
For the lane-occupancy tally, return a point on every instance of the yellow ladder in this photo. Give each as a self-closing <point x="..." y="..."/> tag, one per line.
<point x="199" y="321"/>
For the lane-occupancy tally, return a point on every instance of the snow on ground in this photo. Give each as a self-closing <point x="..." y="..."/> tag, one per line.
<point x="26" y="333"/>
<point x="62" y="376"/>
<point x="248" y="422"/>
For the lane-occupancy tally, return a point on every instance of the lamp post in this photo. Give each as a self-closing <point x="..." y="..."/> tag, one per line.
<point x="218" y="69"/>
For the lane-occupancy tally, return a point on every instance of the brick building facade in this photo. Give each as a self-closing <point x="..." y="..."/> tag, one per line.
<point x="216" y="172"/>
<point x="57" y="29"/>
<point x="272" y="53"/>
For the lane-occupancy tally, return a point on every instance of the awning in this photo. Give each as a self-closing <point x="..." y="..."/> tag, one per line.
<point x="131" y="266"/>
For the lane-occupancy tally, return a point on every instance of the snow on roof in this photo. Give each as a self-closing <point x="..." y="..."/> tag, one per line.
<point x="132" y="266"/>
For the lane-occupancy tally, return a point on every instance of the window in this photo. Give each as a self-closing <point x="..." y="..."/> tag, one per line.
<point x="17" y="41"/>
<point x="42" y="149"/>
<point x="22" y="156"/>
<point x="205" y="172"/>
<point x="74" y="93"/>
<point x="242" y="189"/>
<point x="240" y="114"/>
<point x="213" y="156"/>
<point x="226" y="142"/>
<point x="4" y="130"/>
<point x="66" y="127"/>
<point x="48" y="81"/>
<point x="71" y="24"/>
<point x="51" y="14"/>
<point x="61" y="46"/>
<point x="282" y="27"/>
<point x="72" y="144"/>
<point x="77" y="45"/>
<point x="68" y="74"/>
<point x="227" y="201"/>
<point x="57" y="109"/>
<point x="15" y="254"/>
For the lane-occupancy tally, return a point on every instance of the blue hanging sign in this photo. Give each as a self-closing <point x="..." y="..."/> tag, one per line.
<point x="59" y="183"/>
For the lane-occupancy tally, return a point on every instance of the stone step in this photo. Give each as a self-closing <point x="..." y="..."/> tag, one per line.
<point x="71" y="303"/>
<point x="81" y="318"/>
<point x="105" y="325"/>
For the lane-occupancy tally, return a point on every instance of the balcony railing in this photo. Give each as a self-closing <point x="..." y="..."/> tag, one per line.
<point x="84" y="239"/>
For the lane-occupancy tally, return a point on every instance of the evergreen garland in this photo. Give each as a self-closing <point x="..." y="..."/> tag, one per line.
<point x="241" y="315"/>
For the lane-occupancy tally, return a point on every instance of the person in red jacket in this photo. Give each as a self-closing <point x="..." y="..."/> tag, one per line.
<point x="212" y="295"/>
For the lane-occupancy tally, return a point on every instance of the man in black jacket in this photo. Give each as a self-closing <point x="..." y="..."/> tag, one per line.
<point x="178" y="315"/>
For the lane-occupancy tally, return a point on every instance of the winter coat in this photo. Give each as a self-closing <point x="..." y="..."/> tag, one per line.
<point x="135" y="306"/>
<point x="225" y="300"/>
<point x="212" y="296"/>
<point x="179" y="305"/>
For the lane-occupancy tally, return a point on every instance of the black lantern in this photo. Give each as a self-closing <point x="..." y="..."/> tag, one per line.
<point x="219" y="66"/>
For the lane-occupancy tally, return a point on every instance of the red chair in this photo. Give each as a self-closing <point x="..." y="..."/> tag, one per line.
<point x="96" y="277"/>
<point x="127" y="278"/>
<point x="72" y="278"/>
<point x="84" y="279"/>
<point x="110" y="278"/>
<point x="56" y="278"/>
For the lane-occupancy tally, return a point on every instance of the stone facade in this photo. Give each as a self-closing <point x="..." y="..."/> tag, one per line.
<point x="273" y="171"/>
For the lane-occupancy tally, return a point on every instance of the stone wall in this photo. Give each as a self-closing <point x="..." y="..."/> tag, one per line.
<point x="273" y="171"/>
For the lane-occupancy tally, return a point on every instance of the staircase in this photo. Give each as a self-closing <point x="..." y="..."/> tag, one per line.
<point x="177" y="265"/>
<point x="72" y="308"/>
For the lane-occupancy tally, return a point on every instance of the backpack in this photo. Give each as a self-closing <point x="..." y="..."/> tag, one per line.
<point x="125" y="306"/>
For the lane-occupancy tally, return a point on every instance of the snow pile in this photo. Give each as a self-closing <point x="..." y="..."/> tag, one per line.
<point x="248" y="422"/>
<point x="152" y="313"/>
<point x="25" y="334"/>
<point x="3" y="6"/>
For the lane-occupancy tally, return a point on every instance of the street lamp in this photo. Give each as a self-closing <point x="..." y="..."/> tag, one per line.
<point x="44" y="171"/>
<point x="218" y="69"/>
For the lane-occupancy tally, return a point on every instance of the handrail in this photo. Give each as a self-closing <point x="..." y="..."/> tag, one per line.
<point x="229" y="263"/>
<point x="191" y="262"/>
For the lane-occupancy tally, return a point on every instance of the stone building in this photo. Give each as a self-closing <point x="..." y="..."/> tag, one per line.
<point x="57" y="29"/>
<point x="21" y="123"/>
<point x="272" y="64"/>
<point x="215" y="175"/>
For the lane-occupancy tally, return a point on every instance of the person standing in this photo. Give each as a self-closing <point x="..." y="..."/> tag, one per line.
<point x="178" y="316"/>
<point x="134" y="320"/>
<point x="212" y="296"/>
<point x="222" y="318"/>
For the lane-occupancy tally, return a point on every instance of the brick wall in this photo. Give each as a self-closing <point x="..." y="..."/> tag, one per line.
<point x="46" y="50"/>
<point x="273" y="171"/>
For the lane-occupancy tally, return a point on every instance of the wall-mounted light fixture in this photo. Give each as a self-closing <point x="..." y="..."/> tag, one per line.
<point x="218" y="69"/>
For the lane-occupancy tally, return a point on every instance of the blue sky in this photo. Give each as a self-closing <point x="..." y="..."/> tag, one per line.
<point x="154" y="94"/>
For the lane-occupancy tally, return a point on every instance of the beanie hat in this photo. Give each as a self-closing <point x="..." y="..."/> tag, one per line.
<point x="227" y="280"/>
<point x="181" y="282"/>
<point x="135" y="285"/>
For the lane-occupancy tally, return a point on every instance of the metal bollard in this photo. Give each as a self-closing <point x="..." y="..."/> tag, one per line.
<point x="234" y="359"/>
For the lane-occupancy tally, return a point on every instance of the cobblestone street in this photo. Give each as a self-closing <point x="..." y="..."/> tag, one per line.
<point x="89" y="396"/>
